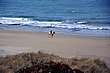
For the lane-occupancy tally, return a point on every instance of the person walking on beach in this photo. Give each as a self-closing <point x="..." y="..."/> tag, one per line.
<point x="51" y="33"/>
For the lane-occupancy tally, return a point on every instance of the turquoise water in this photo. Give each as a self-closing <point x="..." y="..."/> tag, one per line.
<point x="76" y="17"/>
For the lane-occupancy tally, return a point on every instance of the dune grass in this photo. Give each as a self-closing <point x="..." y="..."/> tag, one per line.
<point x="13" y="63"/>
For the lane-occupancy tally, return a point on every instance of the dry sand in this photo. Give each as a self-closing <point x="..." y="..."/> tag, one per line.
<point x="14" y="41"/>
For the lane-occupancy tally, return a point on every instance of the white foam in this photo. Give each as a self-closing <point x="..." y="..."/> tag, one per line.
<point x="8" y="18"/>
<point x="73" y="11"/>
<point x="81" y="22"/>
<point x="49" y="22"/>
<point x="26" y="21"/>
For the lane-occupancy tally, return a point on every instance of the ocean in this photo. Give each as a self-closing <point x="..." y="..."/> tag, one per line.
<point x="73" y="17"/>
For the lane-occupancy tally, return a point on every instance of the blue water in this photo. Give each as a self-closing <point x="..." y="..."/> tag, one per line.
<point x="76" y="17"/>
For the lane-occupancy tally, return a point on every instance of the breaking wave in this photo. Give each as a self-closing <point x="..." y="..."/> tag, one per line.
<point x="68" y="24"/>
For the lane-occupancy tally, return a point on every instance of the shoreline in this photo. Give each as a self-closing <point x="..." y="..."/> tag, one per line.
<point x="63" y="45"/>
<point x="68" y="31"/>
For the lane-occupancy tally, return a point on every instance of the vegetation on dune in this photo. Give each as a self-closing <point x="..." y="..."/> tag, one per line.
<point x="48" y="67"/>
<point x="13" y="63"/>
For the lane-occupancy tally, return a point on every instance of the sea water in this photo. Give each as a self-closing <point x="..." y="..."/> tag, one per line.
<point x="75" y="17"/>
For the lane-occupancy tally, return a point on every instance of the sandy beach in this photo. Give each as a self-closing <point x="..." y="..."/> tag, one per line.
<point x="16" y="41"/>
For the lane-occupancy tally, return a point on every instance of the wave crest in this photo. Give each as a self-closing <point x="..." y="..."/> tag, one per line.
<point x="69" y="24"/>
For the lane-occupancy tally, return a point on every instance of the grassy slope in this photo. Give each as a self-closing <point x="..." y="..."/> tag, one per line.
<point x="12" y="63"/>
